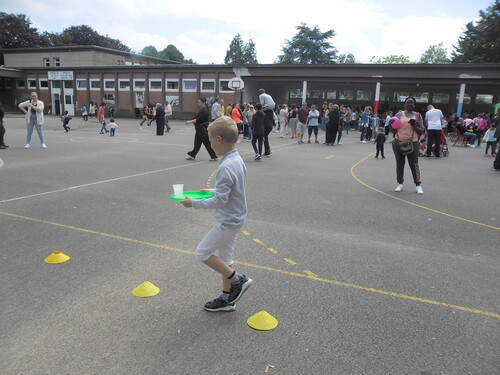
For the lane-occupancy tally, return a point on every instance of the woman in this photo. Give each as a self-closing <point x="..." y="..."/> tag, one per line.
<point x="332" y="126"/>
<point x="201" y="132"/>
<point x="100" y="117"/>
<point x="236" y="117"/>
<point x="160" y="119"/>
<point x="33" y="109"/>
<point x="410" y="129"/>
<point x="145" y="113"/>
<point x="292" y="120"/>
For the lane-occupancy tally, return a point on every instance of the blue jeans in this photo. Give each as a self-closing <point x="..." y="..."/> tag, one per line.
<point x="31" y="124"/>
<point x="471" y="137"/>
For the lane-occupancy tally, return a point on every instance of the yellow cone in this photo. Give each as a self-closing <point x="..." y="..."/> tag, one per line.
<point x="57" y="257"/>
<point x="262" y="321"/>
<point x="146" y="289"/>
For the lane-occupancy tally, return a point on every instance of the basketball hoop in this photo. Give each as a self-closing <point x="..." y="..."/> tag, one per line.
<point x="236" y="83"/>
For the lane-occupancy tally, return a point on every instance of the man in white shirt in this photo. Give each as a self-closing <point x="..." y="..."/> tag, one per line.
<point x="215" y="109"/>
<point x="434" y="123"/>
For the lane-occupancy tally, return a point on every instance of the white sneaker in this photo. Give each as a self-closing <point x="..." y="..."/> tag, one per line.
<point x="27" y="145"/>
<point x="399" y="188"/>
<point x="43" y="145"/>
<point x="363" y="141"/>
<point x="339" y="142"/>
<point x="419" y="190"/>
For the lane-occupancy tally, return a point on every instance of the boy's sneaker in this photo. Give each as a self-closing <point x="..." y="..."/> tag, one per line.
<point x="27" y="145"/>
<point x="419" y="190"/>
<point x="257" y="157"/>
<point x="238" y="288"/>
<point x="219" y="304"/>
<point x="399" y="188"/>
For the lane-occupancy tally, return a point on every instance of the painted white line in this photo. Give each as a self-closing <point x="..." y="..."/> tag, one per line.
<point x="96" y="140"/>
<point x="1" y="163"/>
<point x="101" y="182"/>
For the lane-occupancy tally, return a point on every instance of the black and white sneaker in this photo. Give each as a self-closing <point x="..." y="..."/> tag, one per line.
<point x="238" y="288"/>
<point x="219" y="304"/>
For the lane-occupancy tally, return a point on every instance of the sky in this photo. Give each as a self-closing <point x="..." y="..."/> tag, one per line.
<point x="203" y="30"/>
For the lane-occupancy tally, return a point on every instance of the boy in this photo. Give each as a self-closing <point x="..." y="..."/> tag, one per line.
<point x="65" y="120"/>
<point x="230" y="209"/>
<point x="380" y="140"/>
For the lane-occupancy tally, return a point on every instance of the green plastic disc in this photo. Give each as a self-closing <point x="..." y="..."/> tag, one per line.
<point x="193" y="194"/>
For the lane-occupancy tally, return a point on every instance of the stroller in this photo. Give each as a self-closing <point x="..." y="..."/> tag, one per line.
<point x="443" y="148"/>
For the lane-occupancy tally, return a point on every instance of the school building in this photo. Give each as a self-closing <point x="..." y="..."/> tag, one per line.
<point x="66" y="78"/>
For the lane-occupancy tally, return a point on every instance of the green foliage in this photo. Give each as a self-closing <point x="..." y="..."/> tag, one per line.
<point x="16" y="32"/>
<point x="480" y="43"/>
<point x="85" y="36"/>
<point x="391" y="59"/>
<point x="308" y="46"/>
<point x="346" y="59"/>
<point x="435" y="54"/>
<point x="249" y="52"/>
<point x="170" y="52"/>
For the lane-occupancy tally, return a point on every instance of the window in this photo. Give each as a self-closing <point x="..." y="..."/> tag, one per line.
<point x="81" y="84"/>
<point x="95" y="84"/>
<point x="224" y="85"/>
<point x="8" y="83"/>
<point x="20" y="84"/>
<point x="363" y="95"/>
<point x="400" y="96"/>
<point x="484" y="99"/>
<point x="56" y="84"/>
<point x="139" y="85"/>
<point x="189" y="85"/>
<point x="346" y="94"/>
<point x="208" y="85"/>
<point x="68" y="99"/>
<point x="124" y="84"/>
<point x="466" y="98"/>
<point x="421" y="97"/>
<point x="32" y="83"/>
<point x="46" y="61"/>
<point x="440" y="97"/>
<point x="44" y="84"/>
<point x="109" y="84"/>
<point x="155" y="84"/>
<point x="316" y="94"/>
<point x="331" y="94"/>
<point x="57" y="61"/>
<point x="295" y="93"/>
<point x="172" y="84"/>
<point x="109" y="98"/>
<point x="68" y="84"/>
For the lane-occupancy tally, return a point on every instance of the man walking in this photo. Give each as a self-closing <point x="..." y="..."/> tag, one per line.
<point x="434" y="123"/>
<point x="268" y="105"/>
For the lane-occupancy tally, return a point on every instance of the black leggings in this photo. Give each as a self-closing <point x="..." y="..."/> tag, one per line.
<point x="412" y="162"/>
<point x="257" y="138"/>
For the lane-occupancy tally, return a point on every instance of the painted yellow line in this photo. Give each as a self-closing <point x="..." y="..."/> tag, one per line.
<point x="411" y="203"/>
<point x="258" y="241"/>
<point x="245" y="233"/>
<point x="310" y="276"/>
<point x="272" y="250"/>
<point x="288" y="260"/>
<point x="310" y="273"/>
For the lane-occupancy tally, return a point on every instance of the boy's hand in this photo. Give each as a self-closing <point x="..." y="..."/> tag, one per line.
<point x="188" y="203"/>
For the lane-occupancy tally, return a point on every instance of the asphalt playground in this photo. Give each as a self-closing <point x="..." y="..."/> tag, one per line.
<point x="362" y="280"/>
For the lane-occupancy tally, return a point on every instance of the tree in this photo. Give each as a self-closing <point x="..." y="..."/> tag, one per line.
<point x="16" y="32"/>
<point x="435" y="54"/>
<point x="235" y="54"/>
<point x="309" y="46"/>
<point x="150" y="51"/>
<point x="391" y="59"/>
<point x="249" y="52"/>
<point x="346" y="59"/>
<point x="480" y="43"/>
<point x="85" y="36"/>
<point x="171" y="52"/>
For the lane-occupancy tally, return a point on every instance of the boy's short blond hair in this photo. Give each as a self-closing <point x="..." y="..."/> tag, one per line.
<point x="226" y="128"/>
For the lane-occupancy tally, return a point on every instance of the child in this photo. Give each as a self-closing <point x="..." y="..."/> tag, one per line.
<point x="216" y="249"/>
<point x="491" y="141"/>
<point x="65" y="119"/>
<point x="380" y="140"/>
<point x="85" y="114"/>
<point x="112" y="127"/>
